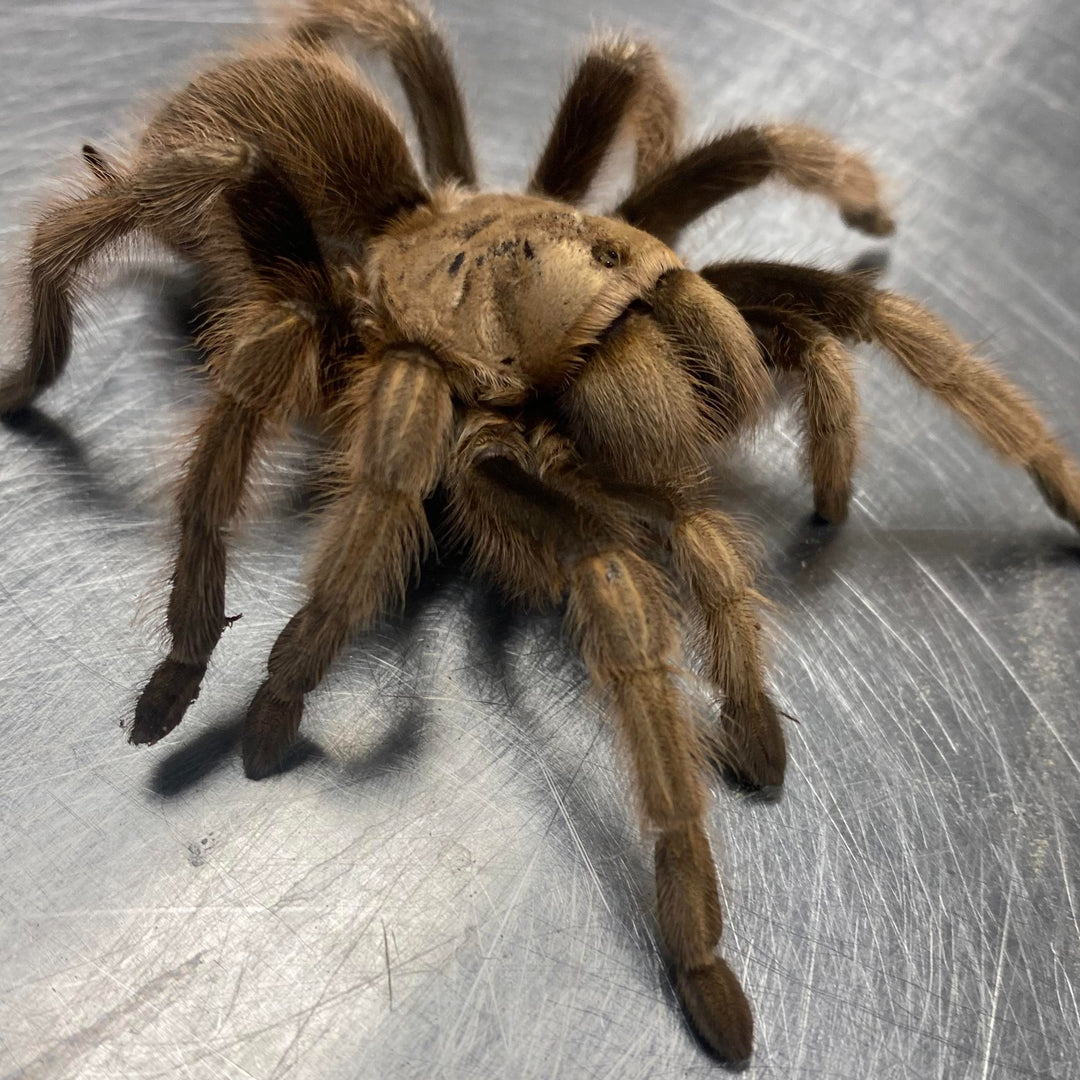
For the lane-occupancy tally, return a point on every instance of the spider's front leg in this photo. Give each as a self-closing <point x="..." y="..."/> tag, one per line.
<point x="620" y="612"/>
<point x="209" y="499"/>
<point x="830" y="400"/>
<point x="266" y="353"/>
<point x="393" y="425"/>
<point x="662" y="385"/>
<point x="268" y="365"/>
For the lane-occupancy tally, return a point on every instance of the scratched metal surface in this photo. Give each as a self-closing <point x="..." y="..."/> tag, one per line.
<point x="449" y="882"/>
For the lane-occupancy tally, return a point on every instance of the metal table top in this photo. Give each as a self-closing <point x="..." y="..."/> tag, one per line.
<point x="449" y="881"/>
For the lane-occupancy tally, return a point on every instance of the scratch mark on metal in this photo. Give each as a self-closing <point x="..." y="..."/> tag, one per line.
<point x="997" y="979"/>
<point x="386" y="953"/>
<point x="1005" y="665"/>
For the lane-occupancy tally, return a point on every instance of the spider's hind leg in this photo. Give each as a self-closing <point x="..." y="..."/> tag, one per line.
<point x="829" y="401"/>
<point x="67" y="237"/>
<point x="420" y="58"/>
<point x="670" y="199"/>
<point x="850" y="307"/>
<point x="997" y="410"/>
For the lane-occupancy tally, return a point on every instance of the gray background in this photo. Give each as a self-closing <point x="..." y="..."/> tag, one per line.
<point x="450" y="881"/>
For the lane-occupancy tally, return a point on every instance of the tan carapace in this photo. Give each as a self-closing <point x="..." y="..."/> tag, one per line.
<point x="516" y="283"/>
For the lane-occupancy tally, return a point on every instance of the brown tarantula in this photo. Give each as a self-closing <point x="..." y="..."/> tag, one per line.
<point x="562" y="377"/>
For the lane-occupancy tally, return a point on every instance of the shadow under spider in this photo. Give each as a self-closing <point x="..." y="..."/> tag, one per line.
<point x="178" y="296"/>
<point x="204" y="754"/>
<point x="609" y="839"/>
<point x="50" y="436"/>
<point x="218" y="746"/>
<point x="42" y="430"/>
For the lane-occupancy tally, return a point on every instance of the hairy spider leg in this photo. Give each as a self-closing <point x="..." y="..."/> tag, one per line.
<point x="707" y="555"/>
<point x="829" y="400"/>
<point x="620" y="612"/>
<point x="422" y="63"/>
<point x="165" y="192"/>
<point x="209" y="499"/>
<point x="732" y="162"/>
<point x="394" y="424"/>
<point x="850" y="307"/>
<point x="619" y="82"/>
<point x="278" y="331"/>
<point x="657" y="389"/>
<point x="267" y="352"/>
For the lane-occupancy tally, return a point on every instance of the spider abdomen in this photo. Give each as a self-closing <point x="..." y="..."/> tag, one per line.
<point x="306" y="111"/>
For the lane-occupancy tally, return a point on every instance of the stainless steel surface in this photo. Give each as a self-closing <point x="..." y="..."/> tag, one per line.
<point x="449" y="881"/>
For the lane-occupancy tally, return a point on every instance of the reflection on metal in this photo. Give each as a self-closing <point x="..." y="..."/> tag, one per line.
<point x="455" y="828"/>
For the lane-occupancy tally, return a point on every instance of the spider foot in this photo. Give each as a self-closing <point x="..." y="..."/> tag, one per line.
<point x="831" y="503"/>
<point x="1060" y="487"/>
<point x="873" y="220"/>
<point x="718" y="1010"/>
<point x="164" y="700"/>
<point x="751" y="745"/>
<point x="15" y="394"/>
<point x="270" y="729"/>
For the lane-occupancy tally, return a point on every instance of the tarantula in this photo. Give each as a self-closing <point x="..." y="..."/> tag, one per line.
<point x="561" y="377"/>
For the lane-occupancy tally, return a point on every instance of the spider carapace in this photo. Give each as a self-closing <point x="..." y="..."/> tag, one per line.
<point x="563" y="378"/>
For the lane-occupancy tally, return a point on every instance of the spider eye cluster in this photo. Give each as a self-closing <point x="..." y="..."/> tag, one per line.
<point x="607" y="254"/>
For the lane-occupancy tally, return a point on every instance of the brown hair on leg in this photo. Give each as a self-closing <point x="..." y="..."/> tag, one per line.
<point x="620" y="613"/>
<point x="706" y="550"/>
<point x="265" y="357"/>
<point x="99" y="164"/>
<point x="208" y="501"/>
<point x="69" y="235"/>
<point x="168" y="196"/>
<point x="849" y="306"/>
<point x="816" y="163"/>
<point x="994" y="407"/>
<point x="394" y="427"/>
<point x="407" y="35"/>
<point x="723" y="166"/>
<point x="829" y="401"/>
<point x="618" y="82"/>
<point x="841" y="302"/>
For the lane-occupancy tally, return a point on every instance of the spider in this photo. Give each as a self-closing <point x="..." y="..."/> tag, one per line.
<point x="561" y="377"/>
